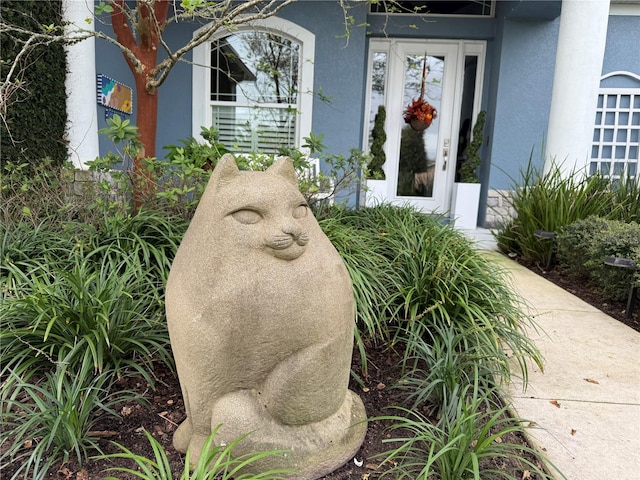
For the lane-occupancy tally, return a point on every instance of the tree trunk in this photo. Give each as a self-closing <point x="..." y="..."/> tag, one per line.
<point x="145" y="51"/>
<point x="147" y="120"/>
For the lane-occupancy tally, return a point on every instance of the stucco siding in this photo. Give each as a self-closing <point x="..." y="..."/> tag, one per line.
<point x="522" y="97"/>
<point x="622" y="52"/>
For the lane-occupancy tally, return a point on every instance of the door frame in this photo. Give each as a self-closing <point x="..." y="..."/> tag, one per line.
<point x="449" y="128"/>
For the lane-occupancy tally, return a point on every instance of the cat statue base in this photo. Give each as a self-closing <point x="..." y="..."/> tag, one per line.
<point x="261" y="319"/>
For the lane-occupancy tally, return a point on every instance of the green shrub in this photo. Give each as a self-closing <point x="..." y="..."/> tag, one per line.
<point x="431" y="275"/>
<point x="180" y="180"/>
<point x="574" y="243"/>
<point x="584" y="245"/>
<point x="66" y="309"/>
<point x="96" y="287"/>
<point x="551" y="200"/>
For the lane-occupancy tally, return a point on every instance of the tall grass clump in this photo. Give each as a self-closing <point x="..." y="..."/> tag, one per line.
<point x="471" y="444"/>
<point x="439" y="369"/>
<point x="81" y="305"/>
<point x="430" y="275"/>
<point x="550" y="200"/>
<point x="106" y="306"/>
<point x="215" y="463"/>
<point x="49" y="419"/>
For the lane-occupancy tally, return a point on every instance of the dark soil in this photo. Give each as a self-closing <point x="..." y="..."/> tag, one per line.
<point x="165" y="409"/>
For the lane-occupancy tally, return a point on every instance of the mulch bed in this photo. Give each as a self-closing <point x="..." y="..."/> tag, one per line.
<point x="165" y="410"/>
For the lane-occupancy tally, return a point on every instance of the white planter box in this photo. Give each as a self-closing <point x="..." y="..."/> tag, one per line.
<point x="464" y="205"/>
<point x="376" y="192"/>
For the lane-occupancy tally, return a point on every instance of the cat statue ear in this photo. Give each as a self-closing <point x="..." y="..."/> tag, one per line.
<point x="226" y="169"/>
<point x="283" y="166"/>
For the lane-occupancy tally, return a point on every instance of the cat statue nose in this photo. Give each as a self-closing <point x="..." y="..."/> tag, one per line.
<point x="294" y="230"/>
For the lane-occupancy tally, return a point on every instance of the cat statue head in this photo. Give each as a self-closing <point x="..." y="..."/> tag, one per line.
<point x="260" y="211"/>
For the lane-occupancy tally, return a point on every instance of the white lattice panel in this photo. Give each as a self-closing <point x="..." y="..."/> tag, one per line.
<point x="616" y="135"/>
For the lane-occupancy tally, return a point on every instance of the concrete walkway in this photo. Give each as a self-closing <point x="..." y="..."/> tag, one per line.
<point x="586" y="403"/>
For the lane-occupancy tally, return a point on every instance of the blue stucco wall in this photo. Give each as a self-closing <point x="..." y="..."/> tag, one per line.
<point x="522" y="81"/>
<point x="622" y="52"/>
<point x="339" y="71"/>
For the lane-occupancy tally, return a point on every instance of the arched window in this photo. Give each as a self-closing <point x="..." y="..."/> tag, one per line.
<point x="254" y="85"/>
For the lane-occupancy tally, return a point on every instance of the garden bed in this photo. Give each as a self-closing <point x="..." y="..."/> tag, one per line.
<point x="166" y="410"/>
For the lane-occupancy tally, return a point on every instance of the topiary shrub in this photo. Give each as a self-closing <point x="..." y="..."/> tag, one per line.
<point x="469" y="169"/>
<point x="379" y="137"/>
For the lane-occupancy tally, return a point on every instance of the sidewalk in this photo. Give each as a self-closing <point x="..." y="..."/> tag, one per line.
<point x="586" y="404"/>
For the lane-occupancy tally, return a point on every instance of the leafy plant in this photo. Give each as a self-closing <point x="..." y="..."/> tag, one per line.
<point x="584" y="245"/>
<point x="50" y="419"/>
<point x="469" y="168"/>
<point x="31" y="192"/>
<point x="98" y="304"/>
<point x="466" y="445"/>
<point x="575" y="240"/>
<point x="215" y="462"/>
<point x="551" y="200"/>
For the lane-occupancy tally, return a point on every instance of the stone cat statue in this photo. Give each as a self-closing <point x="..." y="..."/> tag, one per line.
<point x="261" y="319"/>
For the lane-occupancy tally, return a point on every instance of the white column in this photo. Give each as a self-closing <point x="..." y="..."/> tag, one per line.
<point x="581" y="45"/>
<point x="82" y="110"/>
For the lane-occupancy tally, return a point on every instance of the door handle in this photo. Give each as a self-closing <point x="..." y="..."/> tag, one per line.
<point x="445" y="154"/>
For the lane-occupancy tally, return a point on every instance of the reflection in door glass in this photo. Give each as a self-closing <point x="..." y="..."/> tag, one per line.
<point x="418" y="149"/>
<point x="466" y="110"/>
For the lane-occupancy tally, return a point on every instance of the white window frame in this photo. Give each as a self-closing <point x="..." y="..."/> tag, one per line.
<point x="201" y="80"/>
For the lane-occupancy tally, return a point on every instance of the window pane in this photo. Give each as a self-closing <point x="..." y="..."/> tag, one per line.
<point x="254" y="129"/>
<point x="610" y="118"/>
<point x="625" y="101"/>
<point x="378" y="82"/>
<point x="622" y="135"/>
<point x="254" y="67"/>
<point x="608" y="135"/>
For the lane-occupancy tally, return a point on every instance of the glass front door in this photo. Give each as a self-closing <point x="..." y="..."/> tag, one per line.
<point x="420" y="165"/>
<point x="418" y="157"/>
